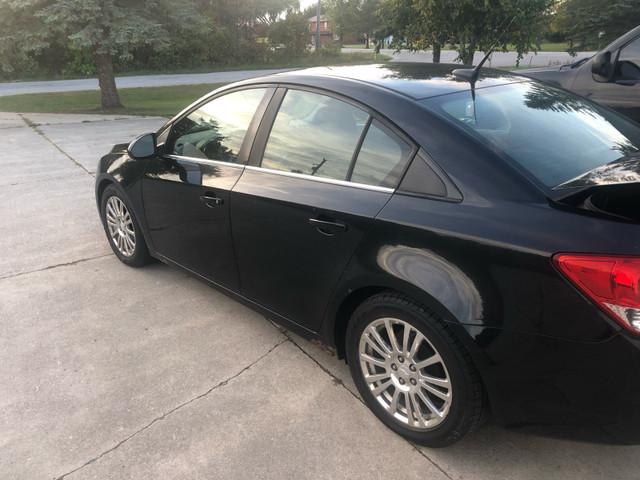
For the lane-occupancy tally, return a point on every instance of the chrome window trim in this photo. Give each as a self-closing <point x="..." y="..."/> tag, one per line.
<point x="342" y="183"/>
<point x="205" y="160"/>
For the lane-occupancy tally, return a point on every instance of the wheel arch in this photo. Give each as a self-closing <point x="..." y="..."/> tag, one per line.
<point x="101" y="186"/>
<point x="463" y="332"/>
<point x="356" y="296"/>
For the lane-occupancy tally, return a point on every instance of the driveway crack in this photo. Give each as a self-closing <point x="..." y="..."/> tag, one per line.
<point x="34" y="126"/>
<point x="50" y="267"/>
<point x="174" y="410"/>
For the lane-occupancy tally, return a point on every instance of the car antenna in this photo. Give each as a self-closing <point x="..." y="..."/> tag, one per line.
<point x="471" y="74"/>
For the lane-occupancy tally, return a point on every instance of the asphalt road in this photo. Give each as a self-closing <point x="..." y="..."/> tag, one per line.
<point x="497" y="59"/>
<point x="112" y="372"/>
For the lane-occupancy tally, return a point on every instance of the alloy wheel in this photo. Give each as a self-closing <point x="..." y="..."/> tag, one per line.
<point x="405" y="373"/>
<point x="120" y="225"/>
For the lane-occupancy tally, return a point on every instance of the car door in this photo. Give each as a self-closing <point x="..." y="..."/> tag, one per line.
<point x="186" y="189"/>
<point x="304" y="203"/>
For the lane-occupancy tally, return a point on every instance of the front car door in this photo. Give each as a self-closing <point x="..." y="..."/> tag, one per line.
<point x="299" y="211"/>
<point x="186" y="189"/>
<point x="622" y="90"/>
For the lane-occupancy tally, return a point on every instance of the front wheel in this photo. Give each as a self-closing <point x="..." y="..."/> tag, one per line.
<point x="412" y="372"/>
<point x="122" y="229"/>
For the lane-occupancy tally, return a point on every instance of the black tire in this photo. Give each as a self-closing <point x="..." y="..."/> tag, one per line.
<point x="122" y="229"/>
<point x="437" y="381"/>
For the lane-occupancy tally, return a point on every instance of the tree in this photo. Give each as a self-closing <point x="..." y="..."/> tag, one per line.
<point x="342" y="14"/>
<point x="106" y="28"/>
<point x="595" y="23"/>
<point x="353" y="18"/>
<point x="291" y="34"/>
<point x="468" y="25"/>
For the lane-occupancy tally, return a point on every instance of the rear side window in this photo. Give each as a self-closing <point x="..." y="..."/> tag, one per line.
<point x="216" y="130"/>
<point x="314" y="135"/>
<point x="321" y="136"/>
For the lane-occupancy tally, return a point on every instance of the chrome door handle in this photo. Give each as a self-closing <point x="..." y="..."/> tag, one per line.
<point x="211" y="201"/>
<point x="328" y="227"/>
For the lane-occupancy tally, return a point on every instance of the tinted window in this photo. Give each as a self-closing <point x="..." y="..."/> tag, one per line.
<point x="382" y="157"/>
<point x="215" y="130"/>
<point x="554" y="135"/>
<point x="314" y="135"/>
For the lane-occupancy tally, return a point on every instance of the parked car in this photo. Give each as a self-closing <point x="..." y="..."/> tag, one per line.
<point x="462" y="242"/>
<point x="611" y="77"/>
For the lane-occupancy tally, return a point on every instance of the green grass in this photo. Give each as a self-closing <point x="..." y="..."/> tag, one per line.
<point x="149" y="101"/>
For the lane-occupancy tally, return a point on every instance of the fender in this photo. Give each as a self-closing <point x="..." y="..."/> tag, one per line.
<point x="117" y="168"/>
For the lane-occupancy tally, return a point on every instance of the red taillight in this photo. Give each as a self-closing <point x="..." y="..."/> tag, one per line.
<point x="612" y="282"/>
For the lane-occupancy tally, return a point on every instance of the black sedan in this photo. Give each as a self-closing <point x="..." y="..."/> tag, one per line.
<point x="466" y="242"/>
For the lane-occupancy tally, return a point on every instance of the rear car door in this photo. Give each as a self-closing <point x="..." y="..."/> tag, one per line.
<point x="186" y="188"/>
<point x="315" y="181"/>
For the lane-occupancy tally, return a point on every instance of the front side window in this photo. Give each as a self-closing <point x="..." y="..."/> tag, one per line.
<point x="628" y="65"/>
<point x="215" y="130"/>
<point x="314" y="135"/>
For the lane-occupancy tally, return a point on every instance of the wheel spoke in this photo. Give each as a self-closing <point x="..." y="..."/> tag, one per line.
<point x="430" y="405"/>
<point x="375" y="361"/>
<point x="432" y="360"/>
<point x="378" y="377"/>
<point x="419" y="414"/>
<point x="375" y="341"/>
<point x="382" y="387"/>
<point x="438" y="393"/>
<point x="393" y="405"/>
<point x="417" y="341"/>
<point x="441" y="382"/>
<point x="392" y="336"/>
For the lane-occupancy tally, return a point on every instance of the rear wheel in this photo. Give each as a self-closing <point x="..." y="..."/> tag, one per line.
<point x="122" y="229"/>
<point x="412" y="372"/>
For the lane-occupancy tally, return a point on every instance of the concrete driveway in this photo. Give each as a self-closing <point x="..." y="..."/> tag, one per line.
<point x="112" y="372"/>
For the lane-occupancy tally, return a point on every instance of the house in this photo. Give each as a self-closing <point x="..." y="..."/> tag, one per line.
<point x="325" y="33"/>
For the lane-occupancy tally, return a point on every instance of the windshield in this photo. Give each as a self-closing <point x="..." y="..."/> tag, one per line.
<point x="553" y="135"/>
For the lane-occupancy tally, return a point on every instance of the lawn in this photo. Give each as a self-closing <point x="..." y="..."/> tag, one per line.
<point x="149" y="101"/>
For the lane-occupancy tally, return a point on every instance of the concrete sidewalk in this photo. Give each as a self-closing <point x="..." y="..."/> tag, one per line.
<point x="112" y="372"/>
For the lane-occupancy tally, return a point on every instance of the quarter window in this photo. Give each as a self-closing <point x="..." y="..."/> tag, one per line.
<point x="216" y="130"/>
<point x="314" y="135"/>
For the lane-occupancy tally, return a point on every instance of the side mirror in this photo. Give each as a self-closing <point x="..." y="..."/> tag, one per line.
<point x="143" y="146"/>
<point x="602" y="66"/>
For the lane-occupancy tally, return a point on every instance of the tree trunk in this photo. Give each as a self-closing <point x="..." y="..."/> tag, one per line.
<point x="437" y="48"/>
<point x="106" y="80"/>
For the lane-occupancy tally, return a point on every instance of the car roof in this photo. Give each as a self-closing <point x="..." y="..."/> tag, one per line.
<point x="414" y="80"/>
<point x="623" y="40"/>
